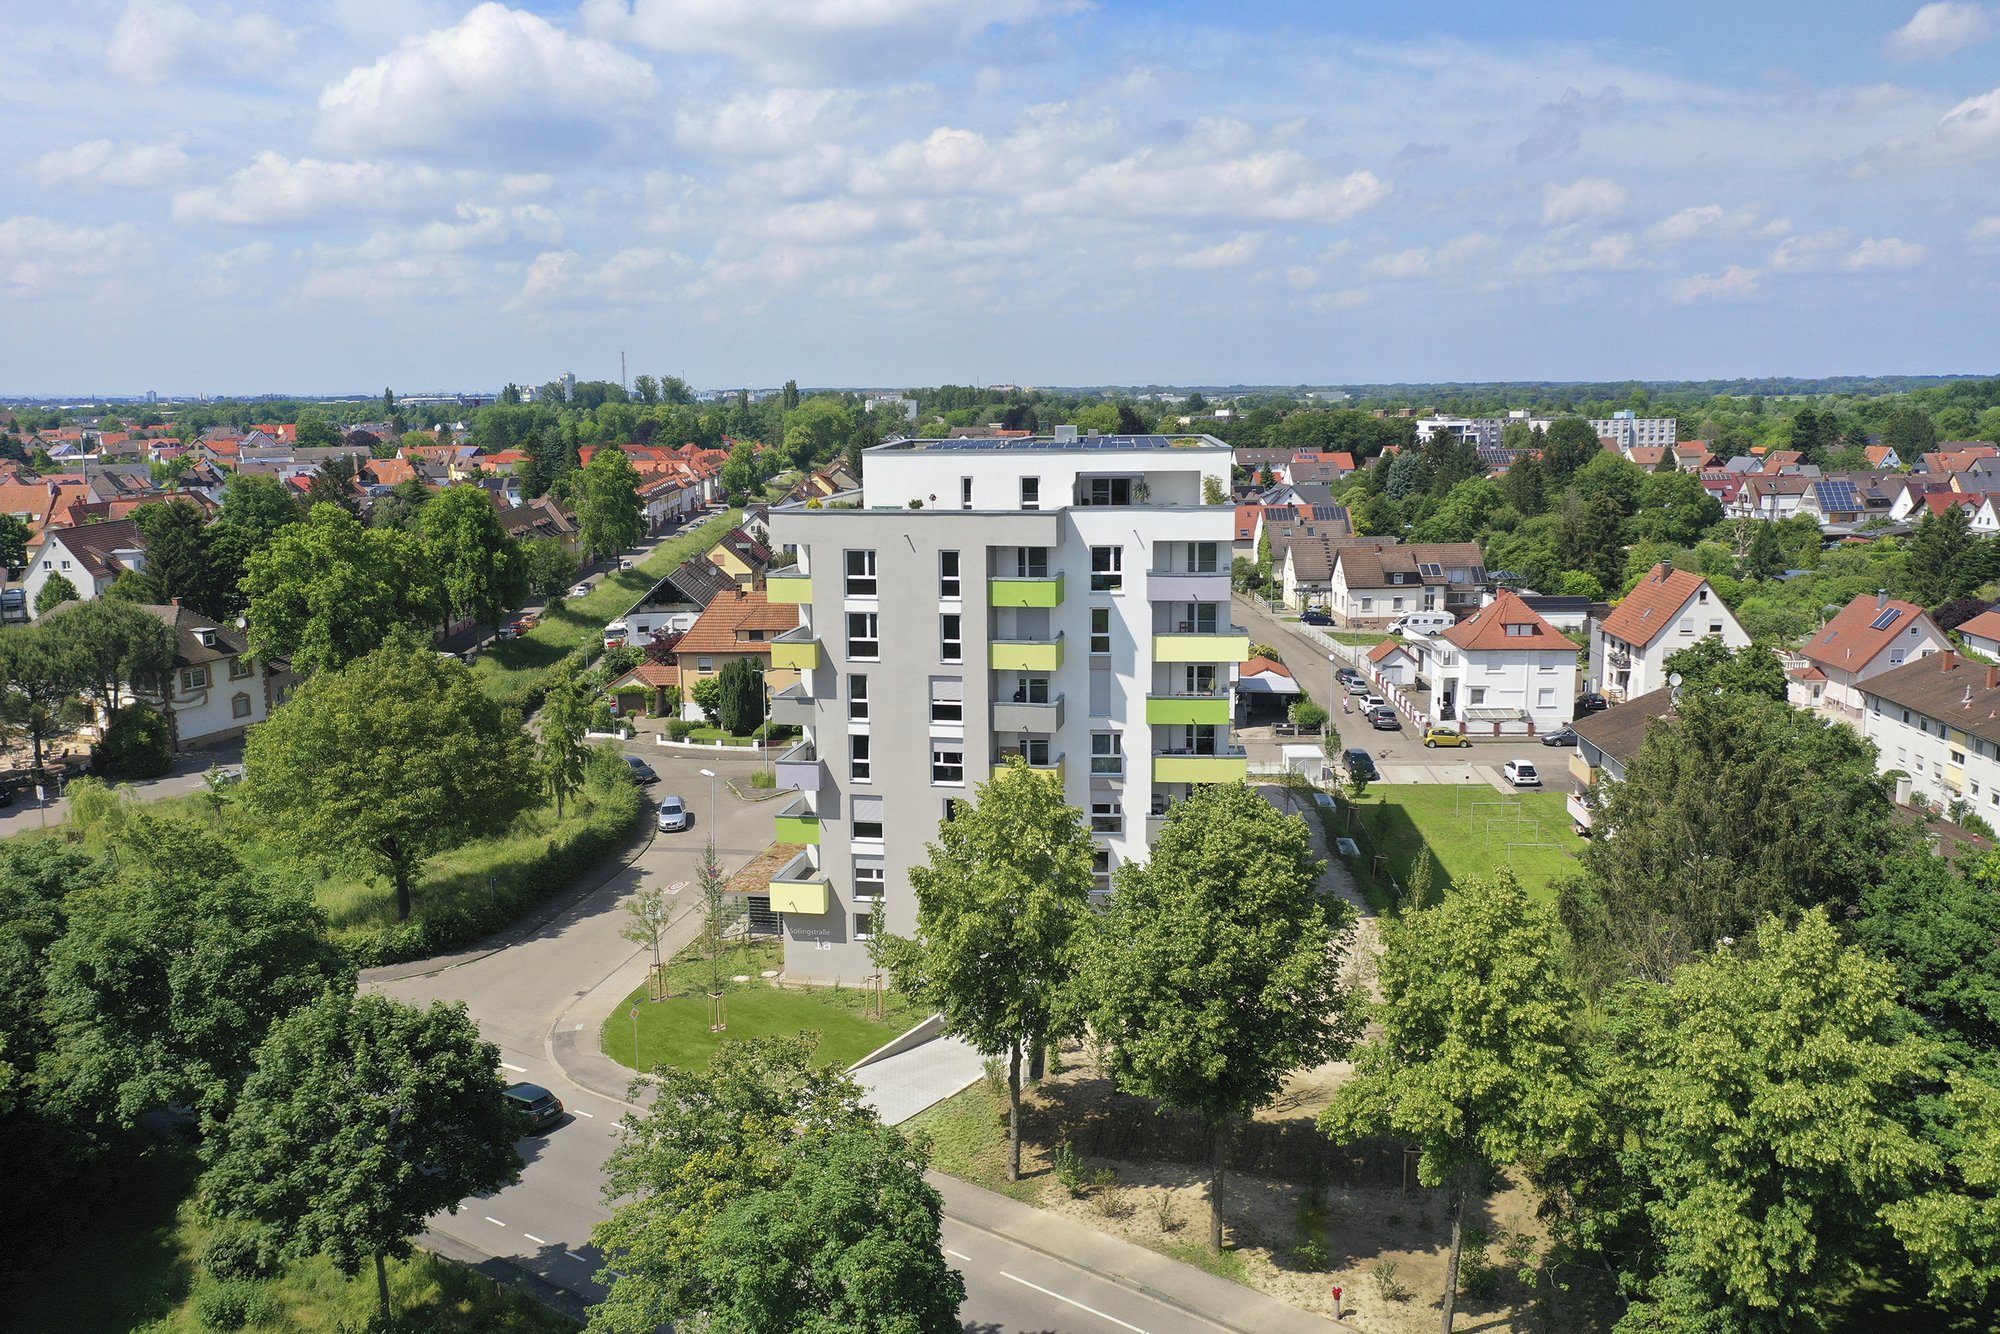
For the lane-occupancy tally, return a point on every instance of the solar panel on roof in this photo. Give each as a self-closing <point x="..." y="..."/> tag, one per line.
<point x="1429" y="569"/>
<point x="1885" y="619"/>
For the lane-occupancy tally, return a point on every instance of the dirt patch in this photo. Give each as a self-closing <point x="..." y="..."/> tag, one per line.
<point x="755" y="878"/>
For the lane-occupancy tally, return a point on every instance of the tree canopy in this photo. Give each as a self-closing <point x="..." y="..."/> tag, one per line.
<point x="326" y="591"/>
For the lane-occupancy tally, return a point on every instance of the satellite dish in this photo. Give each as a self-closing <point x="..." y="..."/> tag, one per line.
<point x="1674" y="680"/>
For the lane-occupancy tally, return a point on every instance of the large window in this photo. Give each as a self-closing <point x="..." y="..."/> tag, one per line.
<point x="870" y="878"/>
<point x="1106" y="756"/>
<point x="947" y="699"/>
<point x="857" y="698"/>
<point x="857" y="756"/>
<point x="1031" y="562"/>
<point x="240" y="668"/>
<point x="1107" y="569"/>
<point x="239" y="706"/>
<point x="951" y="637"/>
<point x="861" y="574"/>
<point x="864" y="636"/>
<point x="1107" y="491"/>
<point x="1106" y="816"/>
<point x="1100" y="630"/>
<point x="947" y="760"/>
<point x="864" y="926"/>
<point x="1031" y="493"/>
<point x="948" y="580"/>
<point x="194" y="678"/>
<point x="1203" y="558"/>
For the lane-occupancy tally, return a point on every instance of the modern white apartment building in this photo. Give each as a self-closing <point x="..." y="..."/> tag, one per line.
<point x="1628" y="430"/>
<point x="1062" y="599"/>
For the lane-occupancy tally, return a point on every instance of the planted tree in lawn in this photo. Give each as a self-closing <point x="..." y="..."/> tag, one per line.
<point x="609" y="513"/>
<point x="741" y="706"/>
<point x="363" y="1117"/>
<point x="563" y="755"/>
<point x="1216" y="970"/>
<point x="1002" y="903"/>
<point x="760" y="1194"/>
<point x="170" y="973"/>
<point x="1475" y="1064"/>
<point x="388" y="761"/>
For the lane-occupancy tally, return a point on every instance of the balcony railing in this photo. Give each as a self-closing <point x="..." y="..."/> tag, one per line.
<point x="788" y="587"/>
<point x="1025" y="591"/>
<point x="792" y="707"/>
<point x="1027" y="655"/>
<point x="1187" y="586"/>
<point x="1224" y="644"/>
<point x="801" y="888"/>
<point x="799" y="769"/>
<point x="1210" y="709"/>
<point x="1012" y="715"/>
<point x="1222" y="764"/>
<point x="796" y="649"/>
<point x="798" y="823"/>
<point x="1053" y="766"/>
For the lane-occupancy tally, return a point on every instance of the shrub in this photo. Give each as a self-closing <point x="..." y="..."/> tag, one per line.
<point x="236" y="1252"/>
<point x="1069" y="1170"/>
<point x="1113" y="1204"/>
<point x="138" y="744"/>
<point x="1165" y="1213"/>
<point x="235" y="1305"/>
<point x="1310" y="1254"/>
<point x="1308" y="714"/>
<point x="1387" y="1286"/>
<point x="679" y="729"/>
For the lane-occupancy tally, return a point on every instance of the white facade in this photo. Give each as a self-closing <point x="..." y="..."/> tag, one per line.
<point x="1944" y="763"/>
<point x="53" y="556"/>
<point x="1537" y="684"/>
<point x="1628" y="655"/>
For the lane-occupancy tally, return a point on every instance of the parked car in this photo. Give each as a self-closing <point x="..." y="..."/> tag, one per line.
<point x="542" y="1108"/>
<point x="1590" y="703"/>
<point x="1384" y="720"/>
<point x="506" y="632"/>
<point x="1445" y="736"/>
<point x="1521" y="773"/>
<point x="674" y="815"/>
<point x="583" y="587"/>
<point x="1347" y="676"/>
<point x="1314" y="616"/>
<point x="1356" y="685"/>
<point x="1566" y="737"/>
<point x="1370" y="703"/>
<point x="1360" y="763"/>
<point x="642" y="772"/>
<point x="624" y="564"/>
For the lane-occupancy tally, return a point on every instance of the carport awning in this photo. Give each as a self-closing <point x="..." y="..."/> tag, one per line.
<point x="1495" y="715"/>
<point x="1267" y="685"/>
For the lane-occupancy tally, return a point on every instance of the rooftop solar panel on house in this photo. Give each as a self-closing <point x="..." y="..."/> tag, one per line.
<point x="1885" y="619"/>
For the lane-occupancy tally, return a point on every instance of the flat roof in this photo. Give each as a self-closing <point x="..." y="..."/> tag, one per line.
<point x="1048" y="444"/>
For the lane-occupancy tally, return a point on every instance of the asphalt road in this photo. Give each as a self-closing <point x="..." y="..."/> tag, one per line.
<point x="546" y="996"/>
<point x="184" y="777"/>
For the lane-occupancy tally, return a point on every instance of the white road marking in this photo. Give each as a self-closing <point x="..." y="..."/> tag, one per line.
<point x="580" y="1112"/>
<point x="580" y="1259"/>
<point x="958" y="1255"/>
<point x="1072" y="1301"/>
<point x="519" y="1070"/>
<point x="494" y="1221"/>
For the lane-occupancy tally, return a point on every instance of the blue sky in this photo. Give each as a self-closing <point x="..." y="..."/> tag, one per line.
<point x="339" y="194"/>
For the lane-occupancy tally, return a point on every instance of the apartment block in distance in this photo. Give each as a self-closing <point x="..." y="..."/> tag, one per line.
<point x="1060" y="599"/>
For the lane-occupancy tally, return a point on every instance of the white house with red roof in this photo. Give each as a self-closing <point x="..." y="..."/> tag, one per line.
<point x="1981" y="634"/>
<point x="1666" y="611"/>
<point x="1393" y="662"/>
<point x="1870" y="635"/>
<point x="1503" y="671"/>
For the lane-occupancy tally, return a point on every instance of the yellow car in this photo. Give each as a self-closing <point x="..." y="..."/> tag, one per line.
<point x="1444" y="736"/>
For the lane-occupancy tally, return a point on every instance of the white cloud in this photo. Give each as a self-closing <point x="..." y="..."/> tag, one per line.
<point x="1969" y="130"/>
<point x="1940" y="29"/>
<point x="500" y="78"/>
<point x="776" y="123"/>
<point x="1887" y="252"/>
<point x="1733" y="283"/>
<point x="478" y="228"/>
<point x="1711" y="220"/>
<point x="1203" y="178"/>
<point x="42" y="257"/>
<point x="1810" y="252"/>
<point x="1585" y="200"/>
<point x="157" y="40"/>
<point x="1222" y="255"/>
<point x="276" y="191"/>
<point x="1412" y="263"/>
<point x="1604" y="254"/>
<point x="1986" y="229"/>
<point x="115" y="164"/>
<point x="788" y="38"/>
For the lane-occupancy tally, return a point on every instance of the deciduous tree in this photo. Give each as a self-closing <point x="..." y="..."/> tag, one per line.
<point x="328" y="590"/>
<point x="470" y="554"/>
<point x="39" y="678"/>
<point x="562" y="754"/>
<point x="114" y="647"/>
<point x="608" y="510"/>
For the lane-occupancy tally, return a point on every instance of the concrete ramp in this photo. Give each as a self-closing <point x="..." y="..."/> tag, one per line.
<point x="905" y="1083"/>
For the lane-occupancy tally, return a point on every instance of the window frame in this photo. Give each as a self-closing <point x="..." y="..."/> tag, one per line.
<point x="1095" y="651"/>
<point x="951" y="582"/>
<point x="857" y="699"/>
<point x="951" y="637"/>
<point x="940" y="767"/>
<point x="850" y="578"/>
<point x="872" y="639"/>
<point x="860" y="758"/>
<point x="1109" y="575"/>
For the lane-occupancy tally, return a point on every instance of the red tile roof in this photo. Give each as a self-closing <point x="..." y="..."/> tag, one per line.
<point x="1986" y="625"/>
<point x="726" y="624"/>
<point x="1853" y="639"/>
<point x="1259" y="665"/>
<point x="1506" y="623"/>
<point x="1385" y="649"/>
<point x="1651" y="607"/>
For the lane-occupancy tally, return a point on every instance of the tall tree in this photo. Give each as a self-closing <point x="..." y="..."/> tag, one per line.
<point x="790" y="396"/>
<point x="1569" y="444"/>
<point x="314" y="431"/>
<point x="609" y="513"/>
<point x="1708" y="667"/>
<point x="741" y="707"/>
<point x="56" y="590"/>
<point x="328" y="590"/>
<point x="1942" y="561"/>
<point x="760" y="1194"/>
<point x="180" y="556"/>
<point x="1215" y="971"/>
<point x="562" y="753"/>
<point x="471" y="556"/>
<point x="1475" y="1064"/>
<point x="115" y="648"/>
<point x="170" y="973"/>
<point x="1910" y="432"/>
<point x="39" y="679"/>
<point x="549" y="568"/>
<point x="13" y="541"/>
<point x="1953" y="1228"/>
<point x="388" y="761"/>
<point x="363" y="1118"/>
<point x="1761" y="1092"/>
<point x="1002" y="903"/>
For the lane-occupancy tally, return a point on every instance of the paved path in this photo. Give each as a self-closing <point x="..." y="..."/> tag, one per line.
<point x="184" y="777"/>
<point x="900" y="1086"/>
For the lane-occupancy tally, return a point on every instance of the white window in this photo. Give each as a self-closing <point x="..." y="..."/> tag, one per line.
<point x="1478" y="694"/>
<point x="1106" y="757"/>
<point x="870" y="878"/>
<point x="951" y="637"/>
<point x="704" y="664"/>
<point x="864" y="638"/>
<point x="864" y="926"/>
<point x="65" y="565"/>
<point x="947" y="699"/>
<point x="857" y="756"/>
<point x="239" y="705"/>
<point x="1031" y="562"/>
<point x="1202" y="558"/>
<point x="1031" y="493"/>
<point x="1107" y="569"/>
<point x="1687" y="625"/>
<point x="194" y="678"/>
<point x="965" y="493"/>
<point x="239" y="668"/>
<point x="1100" y="869"/>
<point x="947" y="760"/>
<point x="860" y="574"/>
<point x="1100" y="630"/>
<point x="857" y="698"/>
<point x="1715" y="627"/>
<point x="948" y="580"/>
<point x="1106" y="816"/>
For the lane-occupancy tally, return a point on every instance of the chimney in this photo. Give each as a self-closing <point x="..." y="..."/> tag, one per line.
<point x="1992" y="677"/>
<point x="1881" y="598"/>
<point x="1948" y="661"/>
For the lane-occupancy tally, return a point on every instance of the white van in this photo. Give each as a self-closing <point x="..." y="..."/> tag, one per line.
<point x="1425" y="623"/>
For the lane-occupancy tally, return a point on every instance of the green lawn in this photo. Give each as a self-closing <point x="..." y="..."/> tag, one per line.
<point x="676" y="1031"/>
<point x="510" y="665"/>
<point x="1469" y="830"/>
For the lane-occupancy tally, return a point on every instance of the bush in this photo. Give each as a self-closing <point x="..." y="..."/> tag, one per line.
<point x="679" y="729"/>
<point x="138" y="744"/>
<point x="236" y="1252"/>
<point x="1387" y="1286"/>
<point x="1309" y="715"/>
<point x="235" y="1305"/>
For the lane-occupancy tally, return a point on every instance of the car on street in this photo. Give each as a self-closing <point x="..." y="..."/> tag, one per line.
<point x="1566" y="737"/>
<point x="1521" y="773"/>
<point x="542" y="1108"/>
<point x="506" y="632"/>
<point x="581" y="589"/>
<point x="1360" y="764"/>
<point x="1445" y="736"/>
<point x="674" y="815"/>
<point x="1314" y="616"/>
<point x="1370" y="703"/>
<point x="1384" y="720"/>
<point x="642" y="772"/>
<point x="1590" y="703"/>
<point x="624" y="564"/>
<point x="1355" y="684"/>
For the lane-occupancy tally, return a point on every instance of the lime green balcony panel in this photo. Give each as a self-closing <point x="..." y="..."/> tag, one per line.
<point x="797" y="829"/>
<point x="808" y="897"/>
<point x="798" y="654"/>
<point x="788" y="588"/>
<point x="1230" y="647"/>
<point x="1025" y="592"/>
<point x="1016" y="655"/>
<point x="1193" y="710"/>
<point x="1200" y="768"/>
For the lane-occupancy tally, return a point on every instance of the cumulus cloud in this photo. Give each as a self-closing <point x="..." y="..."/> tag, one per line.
<point x="787" y="39"/>
<point x="775" y="123"/>
<point x="1604" y="254"/>
<point x="1587" y="200"/>
<point x="1887" y="252"/>
<point x="275" y="190"/>
<point x="1712" y="220"/>
<point x="1986" y="229"/>
<point x="1820" y="252"/>
<point x="1733" y="283"/>
<point x="42" y="257"/>
<point x="499" y="78"/>
<point x="1412" y="263"/>
<point x="157" y="40"/>
<point x="113" y="164"/>
<point x="1230" y="254"/>
<point x="1940" y="29"/>
<point x="1809" y="252"/>
<point x="1969" y="130"/>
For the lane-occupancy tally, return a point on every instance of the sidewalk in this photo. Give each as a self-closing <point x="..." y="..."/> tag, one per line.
<point x="900" y="1086"/>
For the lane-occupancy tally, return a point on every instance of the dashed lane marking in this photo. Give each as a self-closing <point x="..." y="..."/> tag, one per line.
<point x="494" y="1221"/>
<point x="1072" y="1301"/>
<point x="580" y="1112"/>
<point x="532" y="1237"/>
<point x="517" y="1069"/>
<point x="958" y="1255"/>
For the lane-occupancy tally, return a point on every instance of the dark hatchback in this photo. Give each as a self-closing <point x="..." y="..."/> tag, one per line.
<point x="542" y="1108"/>
<point x="1360" y="764"/>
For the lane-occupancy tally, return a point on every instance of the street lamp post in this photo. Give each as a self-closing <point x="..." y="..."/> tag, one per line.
<point x="709" y="774"/>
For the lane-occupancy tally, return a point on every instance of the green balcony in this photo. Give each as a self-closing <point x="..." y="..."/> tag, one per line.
<point x="1188" y="710"/>
<point x="1053" y="769"/>
<point x="789" y="588"/>
<point x="797" y="824"/>
<point x="800" y="888"/>
<point x="1046" y="592"/>
<point x="1229" y="766"/>
<point x="1226" y="646"/>
<point x="1027" y="655"/>
<point x="800" y="654"/>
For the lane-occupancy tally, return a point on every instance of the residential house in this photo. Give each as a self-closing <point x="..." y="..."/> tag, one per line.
<point x="1507" y="672"/>
<point x="218" y="688"/>
<point x="1981" y="634"/>
<point x="41" y="503"/>
<point x="1305" y="572"/>
<point x="648" y="688"/>
<point x="742" y="557"/>
<point x="544" y="516"/>
<point x="1882" y="456"/>
<point x="1908" y="495"/>
<point x="740" y="623"/>
<point x="1394" y="662"/>
<point x="1937" y="719"/>
<point x="1264" y="686"/>
<point x="1870" y="636"/>
<point x="1667" y="611"/>
<point x="91" y="557"/>
<point x="1606" y="742"/>
<point x="1783" y="461"/>
<point x="1377" y="580"/>
<point x="1311" y="465"/>
<point x="1771" y="497"/>
<point x="697" y="581"/>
